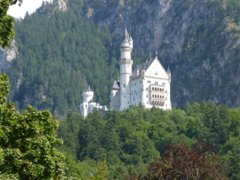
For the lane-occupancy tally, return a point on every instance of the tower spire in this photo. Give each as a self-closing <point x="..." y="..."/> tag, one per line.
<point x="126" y="34"/>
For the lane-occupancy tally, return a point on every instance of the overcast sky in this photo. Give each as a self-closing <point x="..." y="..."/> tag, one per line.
<point x="27" y="6"/>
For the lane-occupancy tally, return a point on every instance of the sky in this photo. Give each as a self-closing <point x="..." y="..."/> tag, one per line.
<point x="27" y="6"/>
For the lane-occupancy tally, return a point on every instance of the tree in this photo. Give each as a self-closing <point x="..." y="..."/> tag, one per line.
<point x="181" y="162"/>
<point x="6" y="22"/>
<point x="28" y="141"/>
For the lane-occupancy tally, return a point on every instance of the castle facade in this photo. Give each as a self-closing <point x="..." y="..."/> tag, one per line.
<point x="148" y="85"/>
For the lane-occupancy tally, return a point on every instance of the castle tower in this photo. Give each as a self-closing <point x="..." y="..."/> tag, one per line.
<point x="125" y="71"/>
<point x="88" y="95"/>
<point x="87" y="98"/>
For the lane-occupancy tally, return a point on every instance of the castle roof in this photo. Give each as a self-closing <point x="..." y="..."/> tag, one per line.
<point x="142" y="68"/>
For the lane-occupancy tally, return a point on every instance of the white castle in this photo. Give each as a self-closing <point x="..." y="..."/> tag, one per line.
<point x="148" y="85"/>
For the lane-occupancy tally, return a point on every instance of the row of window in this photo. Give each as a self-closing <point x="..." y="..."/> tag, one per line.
<point x="156" y="83"/>
<point x="157" y="89"/>
<point x="157" y="96"/>
<point x="157" y="103"/>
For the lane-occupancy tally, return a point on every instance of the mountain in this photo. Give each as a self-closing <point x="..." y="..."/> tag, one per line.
<point x="67" y="45"/>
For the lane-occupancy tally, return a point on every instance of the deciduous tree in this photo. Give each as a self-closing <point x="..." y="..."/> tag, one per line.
<point x="28" y="141"/>
<point x="6" y="22"/>
<point x="182" y="162"/>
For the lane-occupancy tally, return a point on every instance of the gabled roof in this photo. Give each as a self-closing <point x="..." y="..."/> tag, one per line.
<point x="155" y="68"/>
<point x="152" y="67"/>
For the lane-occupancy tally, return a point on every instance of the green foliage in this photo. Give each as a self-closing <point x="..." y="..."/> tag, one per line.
<point x="85" y="170"/>
<point x="130" y="140"/>
<point x="69" y="130"/>
<point x="66" y="55"/>
<point x="28" y="141"/>
<point x="4" y="88"/>
<point x="6" y="24"/>
<point x="231" y="153"/>
<point x="120" y="139"/>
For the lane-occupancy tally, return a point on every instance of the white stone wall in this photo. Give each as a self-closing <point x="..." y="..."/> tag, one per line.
<point x="115" y="100"/>
<point x="136" y="91"/>
<point x="126" y="53"/>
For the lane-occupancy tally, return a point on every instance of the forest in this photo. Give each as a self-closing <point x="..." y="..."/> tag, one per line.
<point x="128" y="142"/>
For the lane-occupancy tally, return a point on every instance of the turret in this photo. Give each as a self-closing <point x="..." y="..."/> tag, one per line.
<point x="169" y="74"/>
<point x="131" y="42"/>
<point x="88" y="95"/>
<point x="126" y="46"/>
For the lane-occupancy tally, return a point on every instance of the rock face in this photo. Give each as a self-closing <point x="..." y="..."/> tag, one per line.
<point x="61" y="5"/>
<point x="7" y="55"/>
<point x="197" y="39"/>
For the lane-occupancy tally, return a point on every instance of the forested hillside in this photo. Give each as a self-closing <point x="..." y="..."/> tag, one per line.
<point x="129" y="141"/>
<point x="61" y="52"/>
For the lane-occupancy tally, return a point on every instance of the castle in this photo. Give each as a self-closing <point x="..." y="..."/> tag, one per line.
<point x="148" y="85"/>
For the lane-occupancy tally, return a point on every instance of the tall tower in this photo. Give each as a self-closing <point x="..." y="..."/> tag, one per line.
<point x="125" y="71"/>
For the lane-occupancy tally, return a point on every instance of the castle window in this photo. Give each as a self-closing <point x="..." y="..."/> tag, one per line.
<point x="149" y="81"/>
<point x="147" y="89"/>
<point x="156" y="83"/>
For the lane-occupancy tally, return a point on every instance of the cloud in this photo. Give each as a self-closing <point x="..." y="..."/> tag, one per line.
<point x="29" y="6"/>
